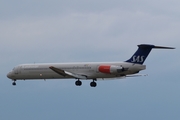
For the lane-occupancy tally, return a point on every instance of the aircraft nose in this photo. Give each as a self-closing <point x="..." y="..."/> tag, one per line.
<point x="9" y="75"/>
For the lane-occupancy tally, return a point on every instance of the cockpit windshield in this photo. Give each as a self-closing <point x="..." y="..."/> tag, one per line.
<point x="16" y="70"/>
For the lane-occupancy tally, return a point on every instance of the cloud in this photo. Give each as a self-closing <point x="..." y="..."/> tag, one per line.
<point x="104" y="30"/>
<point x="89" y="33"/>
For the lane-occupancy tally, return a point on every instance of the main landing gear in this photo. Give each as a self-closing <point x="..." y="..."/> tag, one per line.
<point x="78" y="83"/>
<point x="14" y="83"/>
<point x="92" y="84"/>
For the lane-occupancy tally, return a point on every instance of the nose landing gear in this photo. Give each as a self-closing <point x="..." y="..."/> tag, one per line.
<point x="14" y="83"/>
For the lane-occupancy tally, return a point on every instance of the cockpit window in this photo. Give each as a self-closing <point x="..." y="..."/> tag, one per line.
<point x="16" y="70"/>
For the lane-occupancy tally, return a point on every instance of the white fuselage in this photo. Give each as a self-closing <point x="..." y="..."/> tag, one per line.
<point x="88" y="69"/>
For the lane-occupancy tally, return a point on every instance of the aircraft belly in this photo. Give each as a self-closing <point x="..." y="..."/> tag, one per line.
<point x="40" y="75"/>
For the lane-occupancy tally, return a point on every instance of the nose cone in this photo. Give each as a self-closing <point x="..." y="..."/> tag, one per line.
<point x="9" y="75"/>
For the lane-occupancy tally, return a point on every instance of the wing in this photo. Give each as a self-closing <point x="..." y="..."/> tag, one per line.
<point x="122" y="77"/>
<point x="138" y="75"/>
<point x="68" y="74"/>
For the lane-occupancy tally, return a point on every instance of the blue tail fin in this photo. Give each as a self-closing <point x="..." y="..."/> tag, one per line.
<point x="143" y="51"/>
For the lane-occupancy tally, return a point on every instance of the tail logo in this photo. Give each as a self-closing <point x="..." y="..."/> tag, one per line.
<point x="138" y="59"/>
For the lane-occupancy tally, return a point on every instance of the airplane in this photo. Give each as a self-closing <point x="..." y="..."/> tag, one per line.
<point x="85" y="70"/>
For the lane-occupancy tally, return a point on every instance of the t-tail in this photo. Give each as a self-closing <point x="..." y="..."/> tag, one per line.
<point x="143" y="51"/>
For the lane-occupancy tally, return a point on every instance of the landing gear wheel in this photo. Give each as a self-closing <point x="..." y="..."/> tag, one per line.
<point x="93" y="84"/>
<point x="78" y="83"/>
<point x="14" y="83"/>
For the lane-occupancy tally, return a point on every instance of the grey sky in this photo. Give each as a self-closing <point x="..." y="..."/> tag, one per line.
<point x="75" y="31"/>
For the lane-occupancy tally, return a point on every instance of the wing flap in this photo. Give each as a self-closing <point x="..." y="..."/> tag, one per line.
<point x="67" y="74"/>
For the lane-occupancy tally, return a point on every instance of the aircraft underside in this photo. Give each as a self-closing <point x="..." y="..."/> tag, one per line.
<point x="86" y="70"/>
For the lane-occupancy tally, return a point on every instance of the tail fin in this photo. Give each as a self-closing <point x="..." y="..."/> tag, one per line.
<point x="143" y="51"/>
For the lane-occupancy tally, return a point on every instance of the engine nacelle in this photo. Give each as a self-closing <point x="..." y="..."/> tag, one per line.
<point x="109" y="69"/>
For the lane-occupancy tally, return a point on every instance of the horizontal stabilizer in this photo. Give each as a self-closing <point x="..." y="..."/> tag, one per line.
<point x="161" y="47"/>
<point x="153" y="46"/>
<point x="143" y="51"/>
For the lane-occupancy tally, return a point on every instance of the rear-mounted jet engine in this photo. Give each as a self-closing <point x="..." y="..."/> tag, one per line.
<point x="110" y="69"/>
